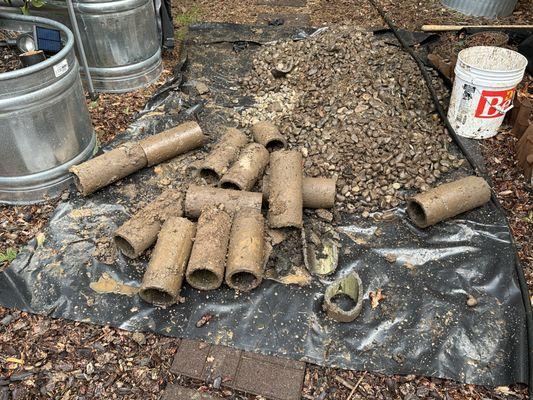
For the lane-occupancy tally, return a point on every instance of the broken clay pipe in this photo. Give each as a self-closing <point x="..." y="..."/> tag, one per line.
<point x="448" y="200"/>
<point x="140" y="232"/>
<point x="317" y="192"/>
<point x="247" y="169"/>
<point x="244" y="269"/>
<point x="172" y="142"/>
<point x="350" y="286"/>
<point x="198" y="198"/>
<point x="223" y="155"/>
<point x="524" y="152"/>
<point x="267" y="134"/>
<point x="208" y="256"/>
<point x="285" y="200"/>
<point x="520" y="116"/>
<point x="109" y="167"/>
<point x="163" y="278"/>
<point x="130" y="157"/>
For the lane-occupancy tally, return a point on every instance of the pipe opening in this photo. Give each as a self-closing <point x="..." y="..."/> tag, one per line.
<point x="124" y="246"/>
<point x="77" y="182"/>
<point x="275" y="145"/>
<point x="344" y="301"/>
<point x="156" y="296"/>
<point x="203" y="279"/>
<point x="210" y="175"/>
<point x="230" y="185"/>
<point x="417" y="213"/>
<point x="243" y="280"/>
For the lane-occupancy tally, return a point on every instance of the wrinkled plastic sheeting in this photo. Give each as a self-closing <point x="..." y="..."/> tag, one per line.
<point x="423" y="326"/>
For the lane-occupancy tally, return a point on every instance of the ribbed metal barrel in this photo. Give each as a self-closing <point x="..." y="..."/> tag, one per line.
<point x="482" y="8"/>
<point x="120" y="37"/>
<point x="45" y="126"/>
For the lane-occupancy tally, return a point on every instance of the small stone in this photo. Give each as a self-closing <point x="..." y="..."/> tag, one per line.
<point x="471" y="301"/>
<point x="89" y="369"/>
<point x="201" y="88"/>
<point x="139" y="338"/>
<point x="65" y="196"/>
<point x="391" y="258"/>
<point x="396" y="185"/>
<point x="324" y="215"/>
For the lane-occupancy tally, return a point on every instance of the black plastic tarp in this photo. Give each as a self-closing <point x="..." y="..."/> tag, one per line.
<point x="423" y="326"/>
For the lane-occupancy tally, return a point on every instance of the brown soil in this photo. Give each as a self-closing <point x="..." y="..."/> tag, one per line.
<point x="9" y="60"/>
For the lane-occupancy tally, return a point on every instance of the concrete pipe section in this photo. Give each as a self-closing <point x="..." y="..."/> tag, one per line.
<point x="45" y="127"/>
<point x="120" y="39"/>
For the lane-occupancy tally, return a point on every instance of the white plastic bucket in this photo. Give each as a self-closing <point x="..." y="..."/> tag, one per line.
<point x="484" y="88"/>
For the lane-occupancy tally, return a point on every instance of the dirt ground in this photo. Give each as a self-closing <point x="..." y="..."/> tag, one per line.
<point x="47" y="358"/>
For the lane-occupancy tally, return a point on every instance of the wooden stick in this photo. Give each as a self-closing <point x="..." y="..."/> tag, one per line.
<point x="356" y="386"/>
<point x="448" y="28"/>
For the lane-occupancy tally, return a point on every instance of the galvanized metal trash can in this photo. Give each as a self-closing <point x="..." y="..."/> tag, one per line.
<point x="45" y="126"/>
<point x="482" y="8"/>
<point x="120" y="38"/>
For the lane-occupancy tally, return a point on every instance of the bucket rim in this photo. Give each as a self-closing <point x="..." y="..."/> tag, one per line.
<point x="523" y="59"/>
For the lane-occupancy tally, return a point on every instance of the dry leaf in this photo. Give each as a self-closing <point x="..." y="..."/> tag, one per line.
<point x="375" y="298"/>
<point x="40" y="239"/>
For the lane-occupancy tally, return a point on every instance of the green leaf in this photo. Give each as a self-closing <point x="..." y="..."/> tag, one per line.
<point x="25" y="8"/>
<point x="8" y="256"/>
<point x="37" y="3"/>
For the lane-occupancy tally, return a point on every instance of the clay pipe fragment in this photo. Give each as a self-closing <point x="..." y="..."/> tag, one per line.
<point x="285" y="201"/>
<point x="172" y="142"/>
<point x="140" y="232"/>
<point x="130" y="157"/>
<point x="317" y="192"/>
<point x="164" y="276"/>
<point x="247" y="169"/>
<point x="223" y="155"/>
<point x="244" y="270"/>
<point x="448" y="200"/>
<point x="109" y="167"/>
<point x="524" y="109"/>
<point x="199" y="197"/>
<point x="350" y="286"/>
<point x="208" y="256"/>
<point x="267" y="134"/>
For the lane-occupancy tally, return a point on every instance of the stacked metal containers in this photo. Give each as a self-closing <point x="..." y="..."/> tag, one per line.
<point x="45" y="126"/>
<point x="120" y="38"/>
<point x="482" y="8"/>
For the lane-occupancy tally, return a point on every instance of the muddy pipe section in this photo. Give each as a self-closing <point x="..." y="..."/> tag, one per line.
<point x="268" y="135"/>
<point x="198" y="198"/>
<point x="244" y="269"/>
<point x="172" y="142"/>
<point x="223" y="155"/>
<point x="164" y="276"/>
<point x="247" y="169"/>
<point x="448" y="200"/>
<point x="208" y="257"/>
<point x="285" y="201"/>
<point x="317" y="192"/>
<point x="140" y="231"/>
<point x="109" y="167"/>
<point x="133" y="156"/>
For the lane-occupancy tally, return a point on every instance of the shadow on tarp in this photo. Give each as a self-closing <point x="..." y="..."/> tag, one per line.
<point x="423" y="326"/>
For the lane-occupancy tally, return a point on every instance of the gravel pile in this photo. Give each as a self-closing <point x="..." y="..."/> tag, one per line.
<point x="358" y="109"/>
